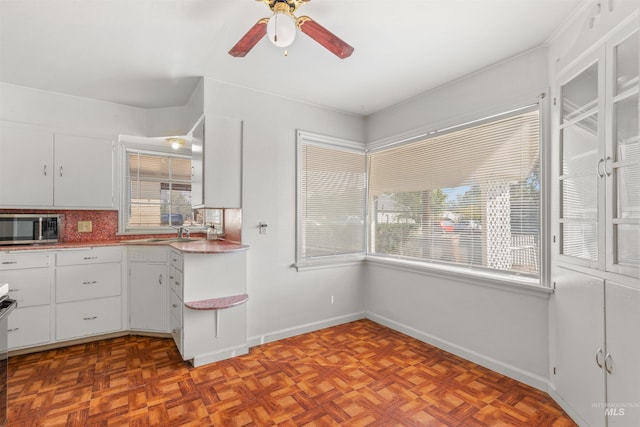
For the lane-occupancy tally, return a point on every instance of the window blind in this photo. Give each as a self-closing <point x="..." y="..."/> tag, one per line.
<point x="470" y="197"/>
<point x="158" y="188"/>
<point x="331" y="204"/>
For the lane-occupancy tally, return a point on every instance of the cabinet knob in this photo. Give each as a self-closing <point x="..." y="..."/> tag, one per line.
<point x="174" y="305"/>
<point x="177" y="283"/>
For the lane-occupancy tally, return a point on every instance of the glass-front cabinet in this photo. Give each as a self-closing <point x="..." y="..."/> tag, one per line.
<point x="599" y="168"/>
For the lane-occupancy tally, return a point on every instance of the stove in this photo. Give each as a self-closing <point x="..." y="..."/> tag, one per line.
<point x="6" y="307"/>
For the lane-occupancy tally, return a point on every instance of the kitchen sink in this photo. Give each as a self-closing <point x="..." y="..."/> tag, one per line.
<point x="166" y="240"/>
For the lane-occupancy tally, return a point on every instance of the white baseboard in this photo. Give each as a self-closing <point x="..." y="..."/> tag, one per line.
<point x="226" y="353"/>
<point x="521" y="375"/>
<point x="303" y="329"/>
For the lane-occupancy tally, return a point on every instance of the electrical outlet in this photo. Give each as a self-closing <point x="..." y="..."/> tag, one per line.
<point x="84" y="226"/>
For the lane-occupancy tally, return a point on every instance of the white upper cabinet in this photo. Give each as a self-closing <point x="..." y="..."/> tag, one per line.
<point x="83" y="175"/>
<point x="221" y="178"/>
<point x="39" y="168"/>
<point x="26" y="167"/>
<point x="599" y="151"/>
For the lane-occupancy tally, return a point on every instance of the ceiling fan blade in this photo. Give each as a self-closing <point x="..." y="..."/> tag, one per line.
<point x="325" y="37"/>
<point x="249" y="40"/>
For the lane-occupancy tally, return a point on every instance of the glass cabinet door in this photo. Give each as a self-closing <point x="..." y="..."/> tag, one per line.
<point x="622" y="165"/>
<point x="581" y="148"/>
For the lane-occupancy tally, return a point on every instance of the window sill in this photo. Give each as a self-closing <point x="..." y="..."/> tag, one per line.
<point x="511" y="283"/>
<point x="329" y="262"/>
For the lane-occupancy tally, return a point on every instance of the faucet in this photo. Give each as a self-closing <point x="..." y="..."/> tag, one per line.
<point x="182" y="230"/>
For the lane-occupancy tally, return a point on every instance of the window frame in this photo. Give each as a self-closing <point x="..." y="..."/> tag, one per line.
<point x="149" y="146"/>
<point x="541" y="284"/>
<point x="324" y="261"/>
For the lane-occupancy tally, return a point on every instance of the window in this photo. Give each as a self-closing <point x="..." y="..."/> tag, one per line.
<point x="331" y="198"/>
<point x="469" y="197"/>
<point x="157" y="190"/>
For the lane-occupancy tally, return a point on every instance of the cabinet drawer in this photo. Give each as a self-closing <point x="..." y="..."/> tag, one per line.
<point x="176" y="259"/>
<point x="28" y="287"/>
<point x="12" y="261"/>
<point x="89" y="256"/>
<point x="29" y="326"/>
<point x="176" y="332"/>
<point x="175" y="306"/>
<point x="85" y="318"/>
<point x="82" y="282"/>
<point x="147" y="254"/>
<point x="176" y="281"/>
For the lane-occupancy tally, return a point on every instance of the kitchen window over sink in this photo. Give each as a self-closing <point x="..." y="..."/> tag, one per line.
<point x="156" y="191"/>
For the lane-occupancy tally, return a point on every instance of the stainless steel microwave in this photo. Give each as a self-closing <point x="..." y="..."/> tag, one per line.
<point x="25" y="229"/>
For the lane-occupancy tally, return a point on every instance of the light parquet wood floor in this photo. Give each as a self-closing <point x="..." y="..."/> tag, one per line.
<point x="356" y="374"/>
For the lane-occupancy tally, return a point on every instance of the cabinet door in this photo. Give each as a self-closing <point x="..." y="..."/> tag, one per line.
<point x="579" y="313"/>
<point x="581" y="165"/>
<point x="222" y="162"/>
<point x="197" y="165"/>
<point x="623" y="364"/>
<point x="26" y="167"/>
<point x="83" y="172"/>
<point x="29" y="287"/>
<point x="623" y="153"/>
<point x="148" y="297"/>
<point x="29" y="326"/>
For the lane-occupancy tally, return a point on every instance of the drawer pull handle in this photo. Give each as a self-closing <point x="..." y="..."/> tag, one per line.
<point x="93" y="282"/>
<point x="12" y="329"/>
<point x="90" y="318"/>
<point x="14" y="290"/>
<point x="90" y="257"/>
<point x="9" y="262"/>
<point x="160" y="279"/>
<point x="171" y="277"/>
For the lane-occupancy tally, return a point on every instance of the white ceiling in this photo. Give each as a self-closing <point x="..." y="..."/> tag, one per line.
<point x="149" y="53"/>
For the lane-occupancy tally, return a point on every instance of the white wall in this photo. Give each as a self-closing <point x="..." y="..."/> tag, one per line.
<point x="499" y="328"/>
<point x="282" y="301"/>
<point x="70" y="113"/>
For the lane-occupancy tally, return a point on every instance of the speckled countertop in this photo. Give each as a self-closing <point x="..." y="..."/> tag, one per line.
<point x="201" y="246"/>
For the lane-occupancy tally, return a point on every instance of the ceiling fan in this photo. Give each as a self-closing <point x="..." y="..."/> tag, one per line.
<point x="281" y="29"/>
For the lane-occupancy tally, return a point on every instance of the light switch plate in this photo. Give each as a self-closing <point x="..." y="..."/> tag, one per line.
<point x="84" y="226"/>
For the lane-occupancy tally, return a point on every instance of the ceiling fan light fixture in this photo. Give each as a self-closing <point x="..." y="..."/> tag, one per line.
<point x="281" y="29"/>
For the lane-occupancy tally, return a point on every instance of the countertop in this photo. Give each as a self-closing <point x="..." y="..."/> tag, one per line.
<point x="199" y="246"/>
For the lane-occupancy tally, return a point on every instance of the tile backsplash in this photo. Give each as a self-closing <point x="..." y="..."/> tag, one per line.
<point x="104" y="224"/>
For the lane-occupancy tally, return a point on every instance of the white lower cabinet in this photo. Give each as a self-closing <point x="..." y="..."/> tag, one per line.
<point x="597" y="347"/>
<point x="29" y="279"/>
<point x="148" y="284"/>
<point x="90" y="317"/>
<point x="88" y="292"/>
<point x="29" y="326"/>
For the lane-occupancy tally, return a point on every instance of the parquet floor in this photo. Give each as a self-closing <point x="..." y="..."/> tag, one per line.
<point x="357" y="374"/>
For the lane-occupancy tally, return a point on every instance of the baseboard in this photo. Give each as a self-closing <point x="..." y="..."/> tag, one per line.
<point x="303" y="329"/>
<point x="225" y="353"/>
<point x="521" y="375"/>
<point x="566" y="407"/>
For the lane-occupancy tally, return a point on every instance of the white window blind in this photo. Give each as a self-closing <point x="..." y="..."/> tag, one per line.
<point x="158" y="190"/>
<point x="331" y="200"/>
<point x="470" y="197"/>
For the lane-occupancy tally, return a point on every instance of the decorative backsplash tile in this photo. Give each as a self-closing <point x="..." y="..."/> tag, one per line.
<point x="104" y="225"/>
